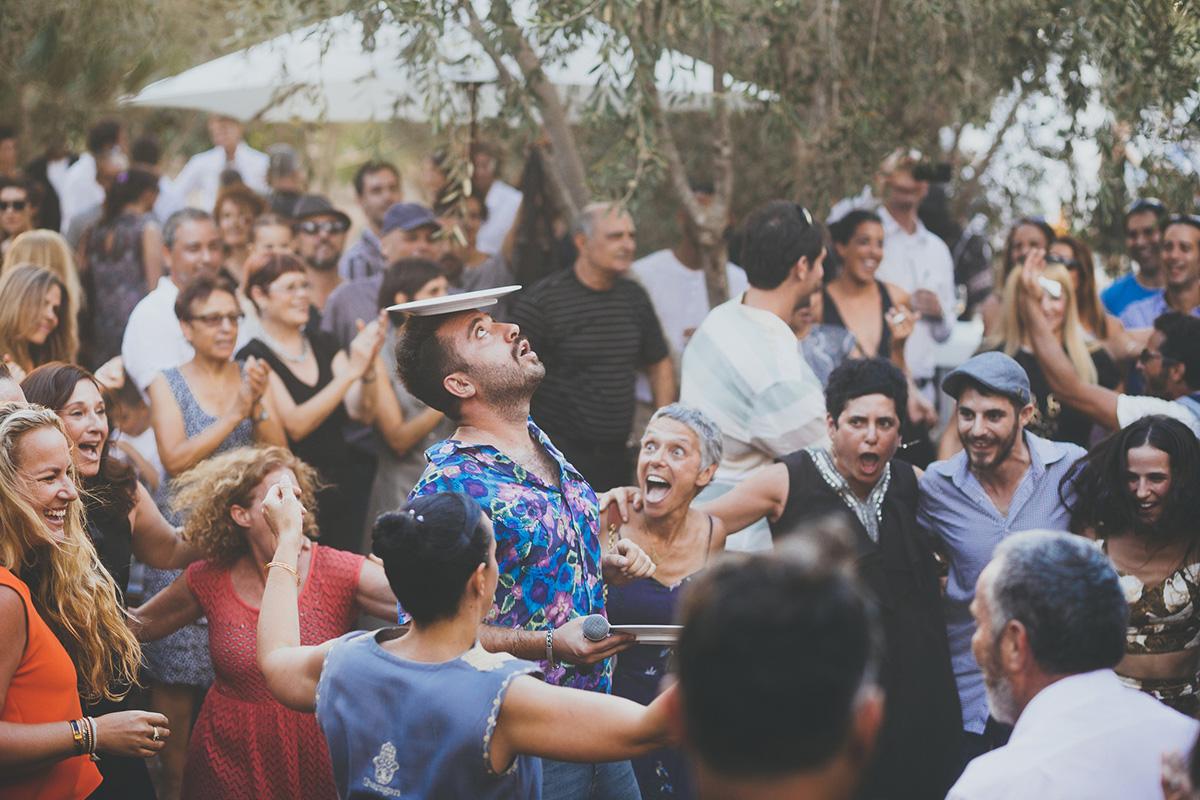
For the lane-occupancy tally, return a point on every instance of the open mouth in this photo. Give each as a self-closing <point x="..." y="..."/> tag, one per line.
<point x="657" y="489"/>
<point x="90" y="450"/>
<point x="869" y="462"/>
<point x="56" y="516"/>
<point x="522" y="348"/>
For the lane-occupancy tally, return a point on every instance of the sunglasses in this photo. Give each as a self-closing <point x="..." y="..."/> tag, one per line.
<point x="313" y="228"/>
<point x="214" y="320"/>
<point x="1069" y="263"/>
<point x="13" y="205"/>
<point x="1147" y="355"/>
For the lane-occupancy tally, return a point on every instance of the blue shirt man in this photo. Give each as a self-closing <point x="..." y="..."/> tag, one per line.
<point x="1004" y="481"/>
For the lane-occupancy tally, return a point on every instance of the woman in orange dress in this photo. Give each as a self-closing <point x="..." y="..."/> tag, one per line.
<point x="60" y="622"/>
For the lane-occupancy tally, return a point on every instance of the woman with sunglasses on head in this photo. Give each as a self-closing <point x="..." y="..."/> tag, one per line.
<point x="1135" y="493"/>
<point x="1026" y="235"/>
<point x="122" y="520"/>
<point x="63" y="631"/>
<point x="1092" y="364"/>
<point x="205" y="406"/>
<point x="316" y="386"/>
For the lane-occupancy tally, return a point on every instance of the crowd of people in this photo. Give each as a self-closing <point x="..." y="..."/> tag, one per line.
<point x="265" y="535"/>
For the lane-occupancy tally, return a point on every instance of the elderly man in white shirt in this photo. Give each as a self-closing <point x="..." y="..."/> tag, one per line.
<point x="200" y="179"/>
<point x="918" y="262"/>
<point x="153" y="340"/>
<point x="1051" y="619"/>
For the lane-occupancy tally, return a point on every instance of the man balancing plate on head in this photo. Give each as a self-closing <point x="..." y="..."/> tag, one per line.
<point x="482" y="374"/>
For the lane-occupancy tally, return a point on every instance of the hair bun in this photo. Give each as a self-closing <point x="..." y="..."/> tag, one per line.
<point x="394" y="531"/>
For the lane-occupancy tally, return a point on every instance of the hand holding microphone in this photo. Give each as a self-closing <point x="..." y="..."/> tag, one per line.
<point x="586" y="640"/>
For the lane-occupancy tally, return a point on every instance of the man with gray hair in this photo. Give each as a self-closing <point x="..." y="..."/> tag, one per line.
<point x="595" y="329"/>
<point x="153" y="340"/>
<point x="1050" y="618"/>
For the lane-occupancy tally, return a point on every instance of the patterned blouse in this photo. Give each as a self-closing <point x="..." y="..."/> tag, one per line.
<point x="547" y="541"/>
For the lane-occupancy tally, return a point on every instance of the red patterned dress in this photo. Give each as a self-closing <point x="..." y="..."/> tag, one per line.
<point x="245" y="744"/>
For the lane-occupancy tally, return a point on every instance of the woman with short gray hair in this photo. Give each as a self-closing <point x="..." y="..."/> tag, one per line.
<point x="679" y="454"/>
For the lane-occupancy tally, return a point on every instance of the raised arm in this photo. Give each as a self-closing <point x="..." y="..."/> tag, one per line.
<point x="291" y="670"/>
<point x="541" y="720"/>
<point x="763" y="493"/>
<point x="156" y="542"/>
<point x="1093" y="401"/>
<point x="401" y="434"/>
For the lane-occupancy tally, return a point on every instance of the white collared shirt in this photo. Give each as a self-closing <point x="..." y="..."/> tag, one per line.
<point x="919" y="260"/>
<point x="200" y="179"/>
<point x="1084" y="736"/>
<point x="502" y="203"/>
<point x="80" y="190"/>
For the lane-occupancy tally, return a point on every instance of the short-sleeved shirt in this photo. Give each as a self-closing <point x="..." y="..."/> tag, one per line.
<point x="1141" y="314"/>
<point x="547" y="541"/>
<point x="593" y="343"/>
<point x="1131" y="408"/>
<point x="362" y="259"/>
<point x="955" y="508"/>
<point x="1124" y="291"/>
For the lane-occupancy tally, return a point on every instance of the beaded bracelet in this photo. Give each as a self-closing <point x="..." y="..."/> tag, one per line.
<point x="92" y="739"/>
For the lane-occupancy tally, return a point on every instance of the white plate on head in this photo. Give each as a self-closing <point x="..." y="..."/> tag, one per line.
<point x="651" y="634"/>
<point x="451" y="303"/>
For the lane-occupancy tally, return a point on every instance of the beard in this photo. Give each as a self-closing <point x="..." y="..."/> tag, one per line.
<point x="510" y="386"/>
<point x="1002" y="453"/>
<point x="1001" y="702"/>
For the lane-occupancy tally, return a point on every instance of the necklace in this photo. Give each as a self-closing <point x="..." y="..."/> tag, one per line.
<point x="286" y="356"/>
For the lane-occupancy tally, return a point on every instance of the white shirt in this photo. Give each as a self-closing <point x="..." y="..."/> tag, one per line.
<point x="1131" y="408"/>
<point x="1084" y="737"/>
<point x="154" y="340"/>
<point x="680" y="300"/>
<point x="743" y="369"/>
<point x="200" y="179"/>
<point x="169" y="200"/>
<point x="80" y="190"/>
<point x="919" y="260"/>
<point x="502" y="203"/>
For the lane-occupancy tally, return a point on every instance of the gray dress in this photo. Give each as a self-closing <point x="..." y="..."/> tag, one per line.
<point x="395" y="476"/>
<point x="182" y="657"/>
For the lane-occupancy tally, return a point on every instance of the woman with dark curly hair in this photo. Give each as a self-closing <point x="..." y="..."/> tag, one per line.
<point x="1135" y="494"/>
<point x="246" y="745"/>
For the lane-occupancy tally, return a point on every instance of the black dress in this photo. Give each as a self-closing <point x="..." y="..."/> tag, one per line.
<point x="111" y="534"/>
<point x="917" y="754"/>
<point x="1055" y="421"/>
<point x="832" y="315"/>
<point x="325" y="448"/>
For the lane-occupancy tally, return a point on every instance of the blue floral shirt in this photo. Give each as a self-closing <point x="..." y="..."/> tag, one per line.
<point x="547" y="541"/>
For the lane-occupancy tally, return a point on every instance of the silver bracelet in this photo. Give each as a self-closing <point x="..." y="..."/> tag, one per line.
<point x="550" y="647"/>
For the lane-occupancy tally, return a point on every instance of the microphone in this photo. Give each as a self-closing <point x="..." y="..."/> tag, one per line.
<point x="595" y="627"/>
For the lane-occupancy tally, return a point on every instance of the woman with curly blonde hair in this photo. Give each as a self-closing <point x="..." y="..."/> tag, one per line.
<point x="63" y="630"/>
<point x="35" y="324"/>
<point x="245" y="744"/>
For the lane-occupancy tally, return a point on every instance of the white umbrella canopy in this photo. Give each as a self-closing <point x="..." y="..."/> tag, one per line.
<point x="321" y="73"/>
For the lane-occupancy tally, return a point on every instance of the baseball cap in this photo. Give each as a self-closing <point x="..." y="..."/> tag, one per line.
<point x="995" y="371"/>
<point x="408" y="217"/>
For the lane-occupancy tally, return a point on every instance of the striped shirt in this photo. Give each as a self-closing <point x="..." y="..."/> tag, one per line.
<point x="743" y="368"/>
<point x="593" y="343"/>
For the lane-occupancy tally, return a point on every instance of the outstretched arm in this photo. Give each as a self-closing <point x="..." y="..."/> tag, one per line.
<point x="1093" y="401"/>
<point x="763" y="493"/>
<point x="541" y="720"/>
<point x="166" y="612"/>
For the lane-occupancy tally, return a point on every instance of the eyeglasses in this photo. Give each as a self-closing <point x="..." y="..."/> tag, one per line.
<point x="313" y="228"/>
<point x="13" y="205"/>
<point x="215" y="320"/>
<point x="1069" y="263"/>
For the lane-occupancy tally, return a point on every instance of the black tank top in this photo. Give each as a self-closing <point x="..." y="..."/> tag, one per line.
<point x="833" y="316"/>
